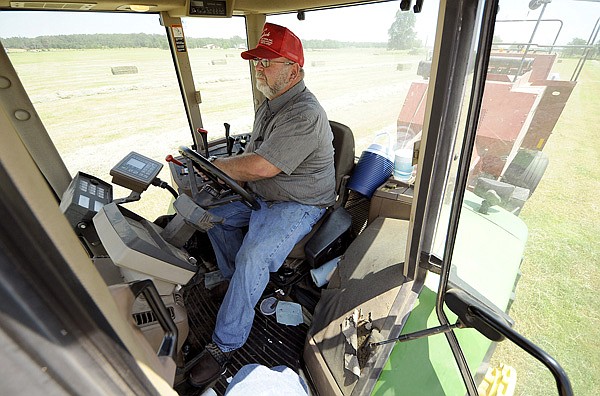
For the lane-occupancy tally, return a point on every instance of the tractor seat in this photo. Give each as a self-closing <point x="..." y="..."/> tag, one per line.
<point x="343" y="144"/>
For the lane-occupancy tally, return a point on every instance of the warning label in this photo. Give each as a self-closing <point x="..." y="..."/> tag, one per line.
<point x="178" y="39"/>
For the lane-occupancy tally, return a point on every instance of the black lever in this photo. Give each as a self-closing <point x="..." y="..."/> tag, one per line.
<point x="204" y="134"/>
<point x="229" y="140"/>
<point x="418" y="6"/>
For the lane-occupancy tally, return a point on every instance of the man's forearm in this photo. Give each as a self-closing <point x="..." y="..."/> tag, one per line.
<point x="246" y="167"/>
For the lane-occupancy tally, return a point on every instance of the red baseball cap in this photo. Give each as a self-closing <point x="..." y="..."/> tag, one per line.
<point x="276" y="41"/>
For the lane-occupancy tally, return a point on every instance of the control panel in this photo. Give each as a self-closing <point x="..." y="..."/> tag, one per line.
<point x="215" y="8"/>
<point x="84" y="197"/>
<point x="135" y="172"/>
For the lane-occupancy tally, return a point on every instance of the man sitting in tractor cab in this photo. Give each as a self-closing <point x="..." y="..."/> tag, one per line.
<point x="289" y="166"/>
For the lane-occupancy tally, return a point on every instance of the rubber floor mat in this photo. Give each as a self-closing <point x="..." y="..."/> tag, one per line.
<point x="270" y="343"/>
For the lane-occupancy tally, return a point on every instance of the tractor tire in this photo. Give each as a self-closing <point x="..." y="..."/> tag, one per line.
<point x="526" y="170"/>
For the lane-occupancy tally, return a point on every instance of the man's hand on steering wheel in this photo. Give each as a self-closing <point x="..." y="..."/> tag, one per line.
<point x="216" y="175"/>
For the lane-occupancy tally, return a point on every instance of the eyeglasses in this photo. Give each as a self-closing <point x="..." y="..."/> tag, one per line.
<point x="267" y="62"/>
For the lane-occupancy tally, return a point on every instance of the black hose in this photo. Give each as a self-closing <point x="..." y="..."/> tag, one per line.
<point x="172" y="191"/>
<point x="159" y="183"/>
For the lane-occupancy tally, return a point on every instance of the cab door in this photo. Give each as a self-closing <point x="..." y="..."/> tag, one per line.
<point x="482" y="231"/>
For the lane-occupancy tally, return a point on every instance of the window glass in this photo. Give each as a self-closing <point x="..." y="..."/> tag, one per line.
<point x="529" y="221"/>
<point x="220" y="73"/>
<point x="103" y="84"/>
<point x="361" y="62"/>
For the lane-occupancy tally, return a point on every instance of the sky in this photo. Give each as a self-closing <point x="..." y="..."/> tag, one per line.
<point x="345" y="24"/>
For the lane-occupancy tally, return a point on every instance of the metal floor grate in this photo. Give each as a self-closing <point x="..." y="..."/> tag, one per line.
<point x="270" y="343"/>
<point x="358" y="207"/>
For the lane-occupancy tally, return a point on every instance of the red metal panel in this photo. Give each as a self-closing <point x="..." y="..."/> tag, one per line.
<point x="504" y="111"/>
<point x="542" y="63"/>
<point x="413" y="110"/>
<point x="548" y="111"/>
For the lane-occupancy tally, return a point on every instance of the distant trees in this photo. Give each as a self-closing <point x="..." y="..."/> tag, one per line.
<point x="333" y="44"/>
<point x="575" y="52"/>
<point x="81" y="41"/>
<point x="97" y="41"/>
<point x="402" y="34"/>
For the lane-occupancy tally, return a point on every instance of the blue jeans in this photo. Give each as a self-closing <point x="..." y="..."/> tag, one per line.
<point x="246" y="260"/>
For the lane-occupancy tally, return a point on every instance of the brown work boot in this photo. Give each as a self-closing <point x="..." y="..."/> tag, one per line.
<point x="211" y="364"/>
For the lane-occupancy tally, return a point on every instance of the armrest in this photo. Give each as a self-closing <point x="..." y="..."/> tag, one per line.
<point x="331" y="239"/>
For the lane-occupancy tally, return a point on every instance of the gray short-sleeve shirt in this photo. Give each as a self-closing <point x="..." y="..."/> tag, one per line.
<point x="292" y="132"/>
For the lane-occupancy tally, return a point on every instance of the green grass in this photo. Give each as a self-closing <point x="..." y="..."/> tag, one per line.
<point x="556" y="305"/>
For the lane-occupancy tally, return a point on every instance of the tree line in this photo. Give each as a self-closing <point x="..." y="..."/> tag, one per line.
<point x="401" y="35"/>
<point x="98" y="41"/>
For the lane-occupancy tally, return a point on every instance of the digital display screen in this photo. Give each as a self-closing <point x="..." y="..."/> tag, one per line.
<point x="208" y="7"/>
<point x="134" y="172"/>
<point x="136" y="163"/>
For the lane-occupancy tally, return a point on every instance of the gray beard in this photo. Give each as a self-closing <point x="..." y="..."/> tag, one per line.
<point x="265" y="89"/>
<point x="271" y="91"/>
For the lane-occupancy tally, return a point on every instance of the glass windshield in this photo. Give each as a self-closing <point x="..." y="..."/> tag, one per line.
<point x="114" y="86"/>
<point x="361" y="62"/>
<point x="220" y="73"/>
<point x="103" y="84"/>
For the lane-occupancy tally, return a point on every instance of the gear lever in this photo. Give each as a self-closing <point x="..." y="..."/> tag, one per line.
<point x="204" y="134"/>
<point x="229" y="139"/>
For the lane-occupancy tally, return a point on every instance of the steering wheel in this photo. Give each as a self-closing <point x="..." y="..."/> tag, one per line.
<point x="218" y="176"/>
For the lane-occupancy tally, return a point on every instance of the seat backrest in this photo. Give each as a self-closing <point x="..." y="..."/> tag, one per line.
<point x="343" y="159"/>
<point x="343" y="143"/>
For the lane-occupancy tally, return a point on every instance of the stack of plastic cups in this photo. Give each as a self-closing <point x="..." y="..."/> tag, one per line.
<point x="403" y="166"/>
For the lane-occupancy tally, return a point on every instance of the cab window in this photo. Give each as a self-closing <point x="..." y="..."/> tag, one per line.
<point x="362" y="70"/>
<point x="220" y="73"/>
<point x="531" y="182"/>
